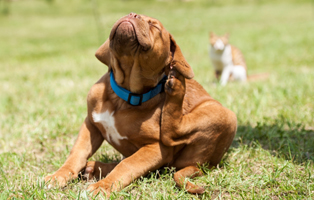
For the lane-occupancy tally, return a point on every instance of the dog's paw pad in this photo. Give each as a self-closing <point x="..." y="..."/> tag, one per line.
<point x="175" y="84"/>
<point x="194" y="189"/>
<point x="89" y="170"/>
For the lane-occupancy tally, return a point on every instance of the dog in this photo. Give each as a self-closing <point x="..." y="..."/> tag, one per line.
<point x="148" y="107"/>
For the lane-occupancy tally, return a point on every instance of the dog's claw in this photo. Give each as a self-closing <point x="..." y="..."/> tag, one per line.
<point x="95" y="189"/>
<point x="175" y="84"/>
<point x="195" y="189"/>
<point x="89" y="173"/>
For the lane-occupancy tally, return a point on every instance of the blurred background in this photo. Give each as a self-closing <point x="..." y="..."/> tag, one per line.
<point x="47" y="66"/>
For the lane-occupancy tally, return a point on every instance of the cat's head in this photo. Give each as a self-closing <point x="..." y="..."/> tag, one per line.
<point x="218" y="42"/>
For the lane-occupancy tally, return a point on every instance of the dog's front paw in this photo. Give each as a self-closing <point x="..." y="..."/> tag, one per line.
<point x="60" y="178"/>
<point x="99" y="188"/>
<point x="175" y="85"/>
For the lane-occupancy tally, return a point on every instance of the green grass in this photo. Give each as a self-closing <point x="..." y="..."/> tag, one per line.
<point x="47" y="66"/>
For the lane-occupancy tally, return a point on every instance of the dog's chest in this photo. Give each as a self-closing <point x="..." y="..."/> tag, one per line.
<point x="107" y="120"/>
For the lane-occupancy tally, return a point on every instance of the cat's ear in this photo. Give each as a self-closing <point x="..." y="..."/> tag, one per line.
<point x="178" y="60"/>
<point x="211" y="34"/>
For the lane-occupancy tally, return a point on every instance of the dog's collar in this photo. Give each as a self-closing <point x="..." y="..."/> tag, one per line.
<point x="136" y="99"/>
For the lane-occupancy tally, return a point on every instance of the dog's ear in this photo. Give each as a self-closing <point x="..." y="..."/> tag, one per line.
<point x="178" y="60"/>
<point x="103" y="54"/>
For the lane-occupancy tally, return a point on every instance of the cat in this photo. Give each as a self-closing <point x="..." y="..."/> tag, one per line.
<point x="228" y="61"/>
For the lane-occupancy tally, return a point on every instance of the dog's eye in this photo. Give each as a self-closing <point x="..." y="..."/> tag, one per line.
<point x="152" y="23"/>
<point x="144" y="49"/>
<point x="155" y="25"/>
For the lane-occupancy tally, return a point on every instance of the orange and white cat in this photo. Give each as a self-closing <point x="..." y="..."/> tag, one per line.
<point x="227" y="60"/>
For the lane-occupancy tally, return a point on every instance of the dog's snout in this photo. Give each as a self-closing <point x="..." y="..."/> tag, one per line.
<point x="134" y="15"/>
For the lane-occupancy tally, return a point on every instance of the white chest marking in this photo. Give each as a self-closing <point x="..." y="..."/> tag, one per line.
<point x="108" y="122"/>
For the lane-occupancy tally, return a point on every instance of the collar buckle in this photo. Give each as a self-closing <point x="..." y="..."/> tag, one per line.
<point x="136" y="99"/>
<point x="135" y="95"/>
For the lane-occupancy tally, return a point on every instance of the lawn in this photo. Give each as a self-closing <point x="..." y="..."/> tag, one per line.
<point x="47" y="67"/>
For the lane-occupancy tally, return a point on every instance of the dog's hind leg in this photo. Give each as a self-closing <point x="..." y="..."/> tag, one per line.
<point x="98" y="170"/>
<point x="206" y="120"/>
<point x="188" y="172"/>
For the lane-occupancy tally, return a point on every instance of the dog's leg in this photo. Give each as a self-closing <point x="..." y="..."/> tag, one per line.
<point x="172" y="113"/>
<point x="146" y="159"/>
<point x="98" y="170"/>
<point x="173" y="120"/>
<point x="188" y="172"/>
<point x="88" y="141"/>
<point x="177" y="128"/>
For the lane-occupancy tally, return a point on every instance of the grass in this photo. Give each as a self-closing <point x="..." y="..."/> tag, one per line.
<point x="48" y="65"/>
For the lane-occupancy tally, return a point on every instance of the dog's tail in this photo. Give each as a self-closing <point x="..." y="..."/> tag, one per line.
<point x="258" y="77"/>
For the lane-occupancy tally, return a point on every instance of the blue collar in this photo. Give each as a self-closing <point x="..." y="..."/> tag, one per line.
<point x="136" y="99"/>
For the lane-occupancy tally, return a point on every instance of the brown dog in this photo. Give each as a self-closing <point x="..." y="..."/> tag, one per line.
<point x="181" y="127"/>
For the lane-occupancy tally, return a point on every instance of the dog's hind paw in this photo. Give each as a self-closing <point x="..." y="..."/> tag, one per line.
<point x="97" y="170"/>
<point x="194" y="189"/>
<point x="175" y="85"/>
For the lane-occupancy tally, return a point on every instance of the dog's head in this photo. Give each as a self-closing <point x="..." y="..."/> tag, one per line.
<point x="140" y="51"/>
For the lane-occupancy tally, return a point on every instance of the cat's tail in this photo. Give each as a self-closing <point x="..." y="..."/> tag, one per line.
<point x="258" y="77"/>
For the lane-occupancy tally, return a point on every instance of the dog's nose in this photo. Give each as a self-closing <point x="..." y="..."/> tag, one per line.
<point x="134" y="15"/>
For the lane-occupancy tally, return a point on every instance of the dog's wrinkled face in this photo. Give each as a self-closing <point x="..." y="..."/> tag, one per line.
<point x="135" y="31"/>
<point x="139" y="51"/>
